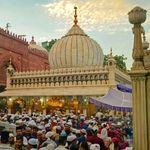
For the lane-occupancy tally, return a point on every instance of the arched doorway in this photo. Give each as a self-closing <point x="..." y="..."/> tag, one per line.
<point x="36" y="105"/>
<point x="18" y="105"/>
<point x="55" y="104"/>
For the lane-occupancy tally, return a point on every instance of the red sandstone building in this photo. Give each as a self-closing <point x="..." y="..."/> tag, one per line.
<point x="24" y="56"/>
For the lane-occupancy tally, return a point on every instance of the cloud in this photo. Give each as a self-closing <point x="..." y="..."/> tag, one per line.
<point x="92" y="14"/>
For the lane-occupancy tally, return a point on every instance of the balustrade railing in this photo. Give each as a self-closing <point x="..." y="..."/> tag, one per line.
<point x="59" y="78"/>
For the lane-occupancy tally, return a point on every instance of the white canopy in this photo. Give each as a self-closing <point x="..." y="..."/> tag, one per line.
<point x="115" y="99"/>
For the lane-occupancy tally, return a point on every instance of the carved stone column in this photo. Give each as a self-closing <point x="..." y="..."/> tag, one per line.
<point x="137" y="16"/>
<point x="139" y="83"/>
<point x="140" y="125"/>
<point x="148" y="106"/>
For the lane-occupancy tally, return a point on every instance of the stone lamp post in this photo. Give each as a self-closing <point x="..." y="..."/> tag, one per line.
<point x="137" y="16"/>
<point x="139" y="76"/>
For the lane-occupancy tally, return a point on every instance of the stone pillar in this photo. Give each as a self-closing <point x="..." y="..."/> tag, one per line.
<point x="43" y="104"/>
<point x="148" y="106"/>
<point x="139" y="83"/>
<point x="9" y="104"/>
<point x="29" y="105"/>
<point x="140" y="125"/>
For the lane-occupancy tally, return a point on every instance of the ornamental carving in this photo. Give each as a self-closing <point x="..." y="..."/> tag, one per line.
<point x="29" y="80"/>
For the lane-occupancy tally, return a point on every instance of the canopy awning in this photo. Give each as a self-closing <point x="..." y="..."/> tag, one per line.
<point x="124" y="88"/>
<point x="115" y="100"/>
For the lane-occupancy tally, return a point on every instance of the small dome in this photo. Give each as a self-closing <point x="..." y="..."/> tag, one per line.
<point x="75" y="49"/>
<point x="33" y="45"/>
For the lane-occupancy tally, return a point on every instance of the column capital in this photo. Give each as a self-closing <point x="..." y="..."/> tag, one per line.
<point x="138" y="73"/>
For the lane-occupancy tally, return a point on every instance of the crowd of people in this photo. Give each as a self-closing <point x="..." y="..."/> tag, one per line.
<point x="60" y="131"/>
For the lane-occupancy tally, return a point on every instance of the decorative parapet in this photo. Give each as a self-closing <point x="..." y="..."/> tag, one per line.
<point x="122" y="77"/>
<point x="59" y="77"/>
<point x="13" y="36"/>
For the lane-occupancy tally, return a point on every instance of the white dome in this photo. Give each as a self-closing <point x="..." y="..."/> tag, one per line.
<point x="38" y="47"/>
<point x="75" y="49"/>
<point x="33" y="45"/>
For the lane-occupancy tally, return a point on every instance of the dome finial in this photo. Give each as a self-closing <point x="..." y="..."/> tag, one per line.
<point x="32" y="41"/>
<point x="75" y="16"/>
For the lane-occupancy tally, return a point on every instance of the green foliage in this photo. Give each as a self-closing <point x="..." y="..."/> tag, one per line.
<point x="16" y="106"/>
<point x="105" y="60"/>
<point x="47" y="45"/>
<point x="2" y="104"/>
<point x="120" y="61"/>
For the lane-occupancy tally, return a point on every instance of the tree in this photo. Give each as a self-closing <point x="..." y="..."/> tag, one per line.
<point x="120" y="61"/>
<point x="2" y="104"/>
<point x="47" y="45"/>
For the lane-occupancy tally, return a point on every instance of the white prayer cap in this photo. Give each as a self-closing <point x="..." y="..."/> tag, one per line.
<point x="33" y="141"/>
<point x="41" y="127"/>
<point x="95" y="147"/>
<point x="64" y="118"/>
<point x="64" y="122"/>
<point x="58" y="127"/>
<point x="19" y="121"/>
<point x="83" y="131"/>
<point x="71" y="138"/>
<point x="104" y="123"/>
<point x="50" y="146"/>
<point x="82" y="117"/>
<point x="47" y="125"/>
<point x="31" y="123"/>
<point x="11" y="135"/>
<point x="68" y="124"/>
<point x="49" y="134"/>
<point x="119" y="123"/>
<point x="78" y="131"/>
<point x="55" y="121"/>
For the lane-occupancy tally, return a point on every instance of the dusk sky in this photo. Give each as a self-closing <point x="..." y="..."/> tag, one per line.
<point x="106" y="21"/>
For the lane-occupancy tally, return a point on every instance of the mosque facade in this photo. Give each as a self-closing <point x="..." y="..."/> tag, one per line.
<point x="76" y="73"/>
<point x="24" y="56"/>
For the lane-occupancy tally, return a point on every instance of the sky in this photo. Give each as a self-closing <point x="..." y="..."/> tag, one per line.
<point x="104" y="21"/>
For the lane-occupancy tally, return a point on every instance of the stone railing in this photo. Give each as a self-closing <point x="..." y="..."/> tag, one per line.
<point x="59" y="77"/>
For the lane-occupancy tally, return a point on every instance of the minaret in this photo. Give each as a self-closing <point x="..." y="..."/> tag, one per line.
<point x="10" y="68"/>
<point x="10" y="72"/>
<point x="111" y="68"/>
<point x="140" y="84"/>
<point x="111" y="60"/>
